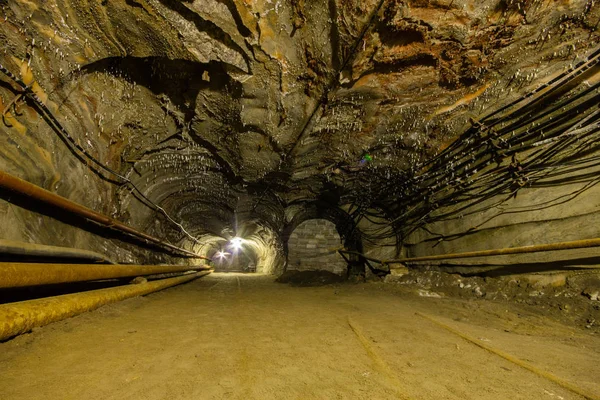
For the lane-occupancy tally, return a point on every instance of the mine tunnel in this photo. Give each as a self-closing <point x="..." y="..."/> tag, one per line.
<point x="290" y="199"/>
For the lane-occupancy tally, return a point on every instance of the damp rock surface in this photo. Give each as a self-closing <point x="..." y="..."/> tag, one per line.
<point x="226" y="110"/>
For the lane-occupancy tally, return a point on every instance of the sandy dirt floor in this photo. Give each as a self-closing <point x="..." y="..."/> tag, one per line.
<point x="233" y="336"/>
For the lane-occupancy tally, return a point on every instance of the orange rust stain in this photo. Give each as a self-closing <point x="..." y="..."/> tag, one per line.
<point x="11" y="121"/>
<point x="28" y="79"/>
<point x="78" y="58"/>
<point x="366" y="80"/>
<point x="246" y="15"/>
<point x="445" y="145"/>
<point x="92" y="101"/>
<point x="462" y="101"/>
<point x="49" y="33"/>
<point x="595" y="78"/>
<point x="45" y="155"/>
<point x="265" y="31"/>
<point x="31" y="4"/>
<point x="26" y="73"/>
<point x="89" y="52"/>
<point x="14" y="124"/>
<point x="84" y="106"/>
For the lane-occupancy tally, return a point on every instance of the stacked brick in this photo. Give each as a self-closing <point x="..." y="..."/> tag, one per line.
<point x="312" y="246"/>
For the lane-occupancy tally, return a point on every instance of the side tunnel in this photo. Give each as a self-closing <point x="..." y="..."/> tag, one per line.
<point x="327" y="222"/>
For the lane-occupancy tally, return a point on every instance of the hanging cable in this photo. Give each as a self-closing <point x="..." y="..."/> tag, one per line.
<point x="49" y="117"/>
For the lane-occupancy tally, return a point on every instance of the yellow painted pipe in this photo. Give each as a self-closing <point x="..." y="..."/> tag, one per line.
<point x="14" y="275"/>
<point x="21" y="317"/>
<point x="576" y="244"/>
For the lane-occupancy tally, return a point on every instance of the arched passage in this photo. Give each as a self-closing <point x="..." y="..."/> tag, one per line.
<point x="256" y="249"/>
<point x="344" y="224"/>
<point x="242" y="260"/>
<point x="313" y="246"/>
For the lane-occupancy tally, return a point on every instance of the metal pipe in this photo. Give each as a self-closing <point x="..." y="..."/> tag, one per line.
<point x="577" y="244"/>
<point x="14" y="275"/>
<point x="21" y="317"/>
<point x="30" y="190"/>
<point x="14" y="248"/>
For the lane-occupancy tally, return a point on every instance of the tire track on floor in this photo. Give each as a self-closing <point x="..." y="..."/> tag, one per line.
<point x="532" y="368"/>
<point x="390" y="377"/>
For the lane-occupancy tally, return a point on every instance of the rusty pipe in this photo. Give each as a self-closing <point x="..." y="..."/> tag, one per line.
<point x="577" y="244"/>
<point x="32" y="191"/>
<point x="13" y="275"/>
<point x="21" y="317"/>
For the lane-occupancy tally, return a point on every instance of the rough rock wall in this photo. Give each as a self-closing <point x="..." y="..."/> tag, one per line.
<point x="229" y="113"/>
<point x="568" y="212"/>
<point x="238" y="262"/>
<point x="312" y="246"/>
<point x="531" y="178"/>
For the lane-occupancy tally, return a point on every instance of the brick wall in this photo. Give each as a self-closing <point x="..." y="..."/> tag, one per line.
<point x="310" y="247"/>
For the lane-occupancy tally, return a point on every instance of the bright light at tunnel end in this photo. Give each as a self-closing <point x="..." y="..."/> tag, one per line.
<point x="236" y="243"/>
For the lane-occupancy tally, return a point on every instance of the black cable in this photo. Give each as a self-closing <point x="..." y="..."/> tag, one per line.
<point x="57" y="127"/>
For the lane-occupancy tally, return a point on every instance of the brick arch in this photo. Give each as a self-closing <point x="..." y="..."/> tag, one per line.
<point x="312" y="245"/>
<point x="344" y="223"/>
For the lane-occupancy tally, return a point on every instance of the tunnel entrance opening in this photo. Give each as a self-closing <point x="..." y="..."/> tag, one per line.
<point x="233" y="258"/>
<point x="313" y="245"/>
<point x="315" y="234"/>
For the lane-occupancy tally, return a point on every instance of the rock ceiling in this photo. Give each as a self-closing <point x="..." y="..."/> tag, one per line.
<point x="223" y="111"/>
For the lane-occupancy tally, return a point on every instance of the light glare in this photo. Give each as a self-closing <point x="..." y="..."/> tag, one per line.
<point x="236" y="243"/>
<point x="221" y="255"/>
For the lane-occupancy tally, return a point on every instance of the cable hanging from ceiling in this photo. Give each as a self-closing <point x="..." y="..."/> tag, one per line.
<point x="539" y="140"/>
<point x="25" y="91"/>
